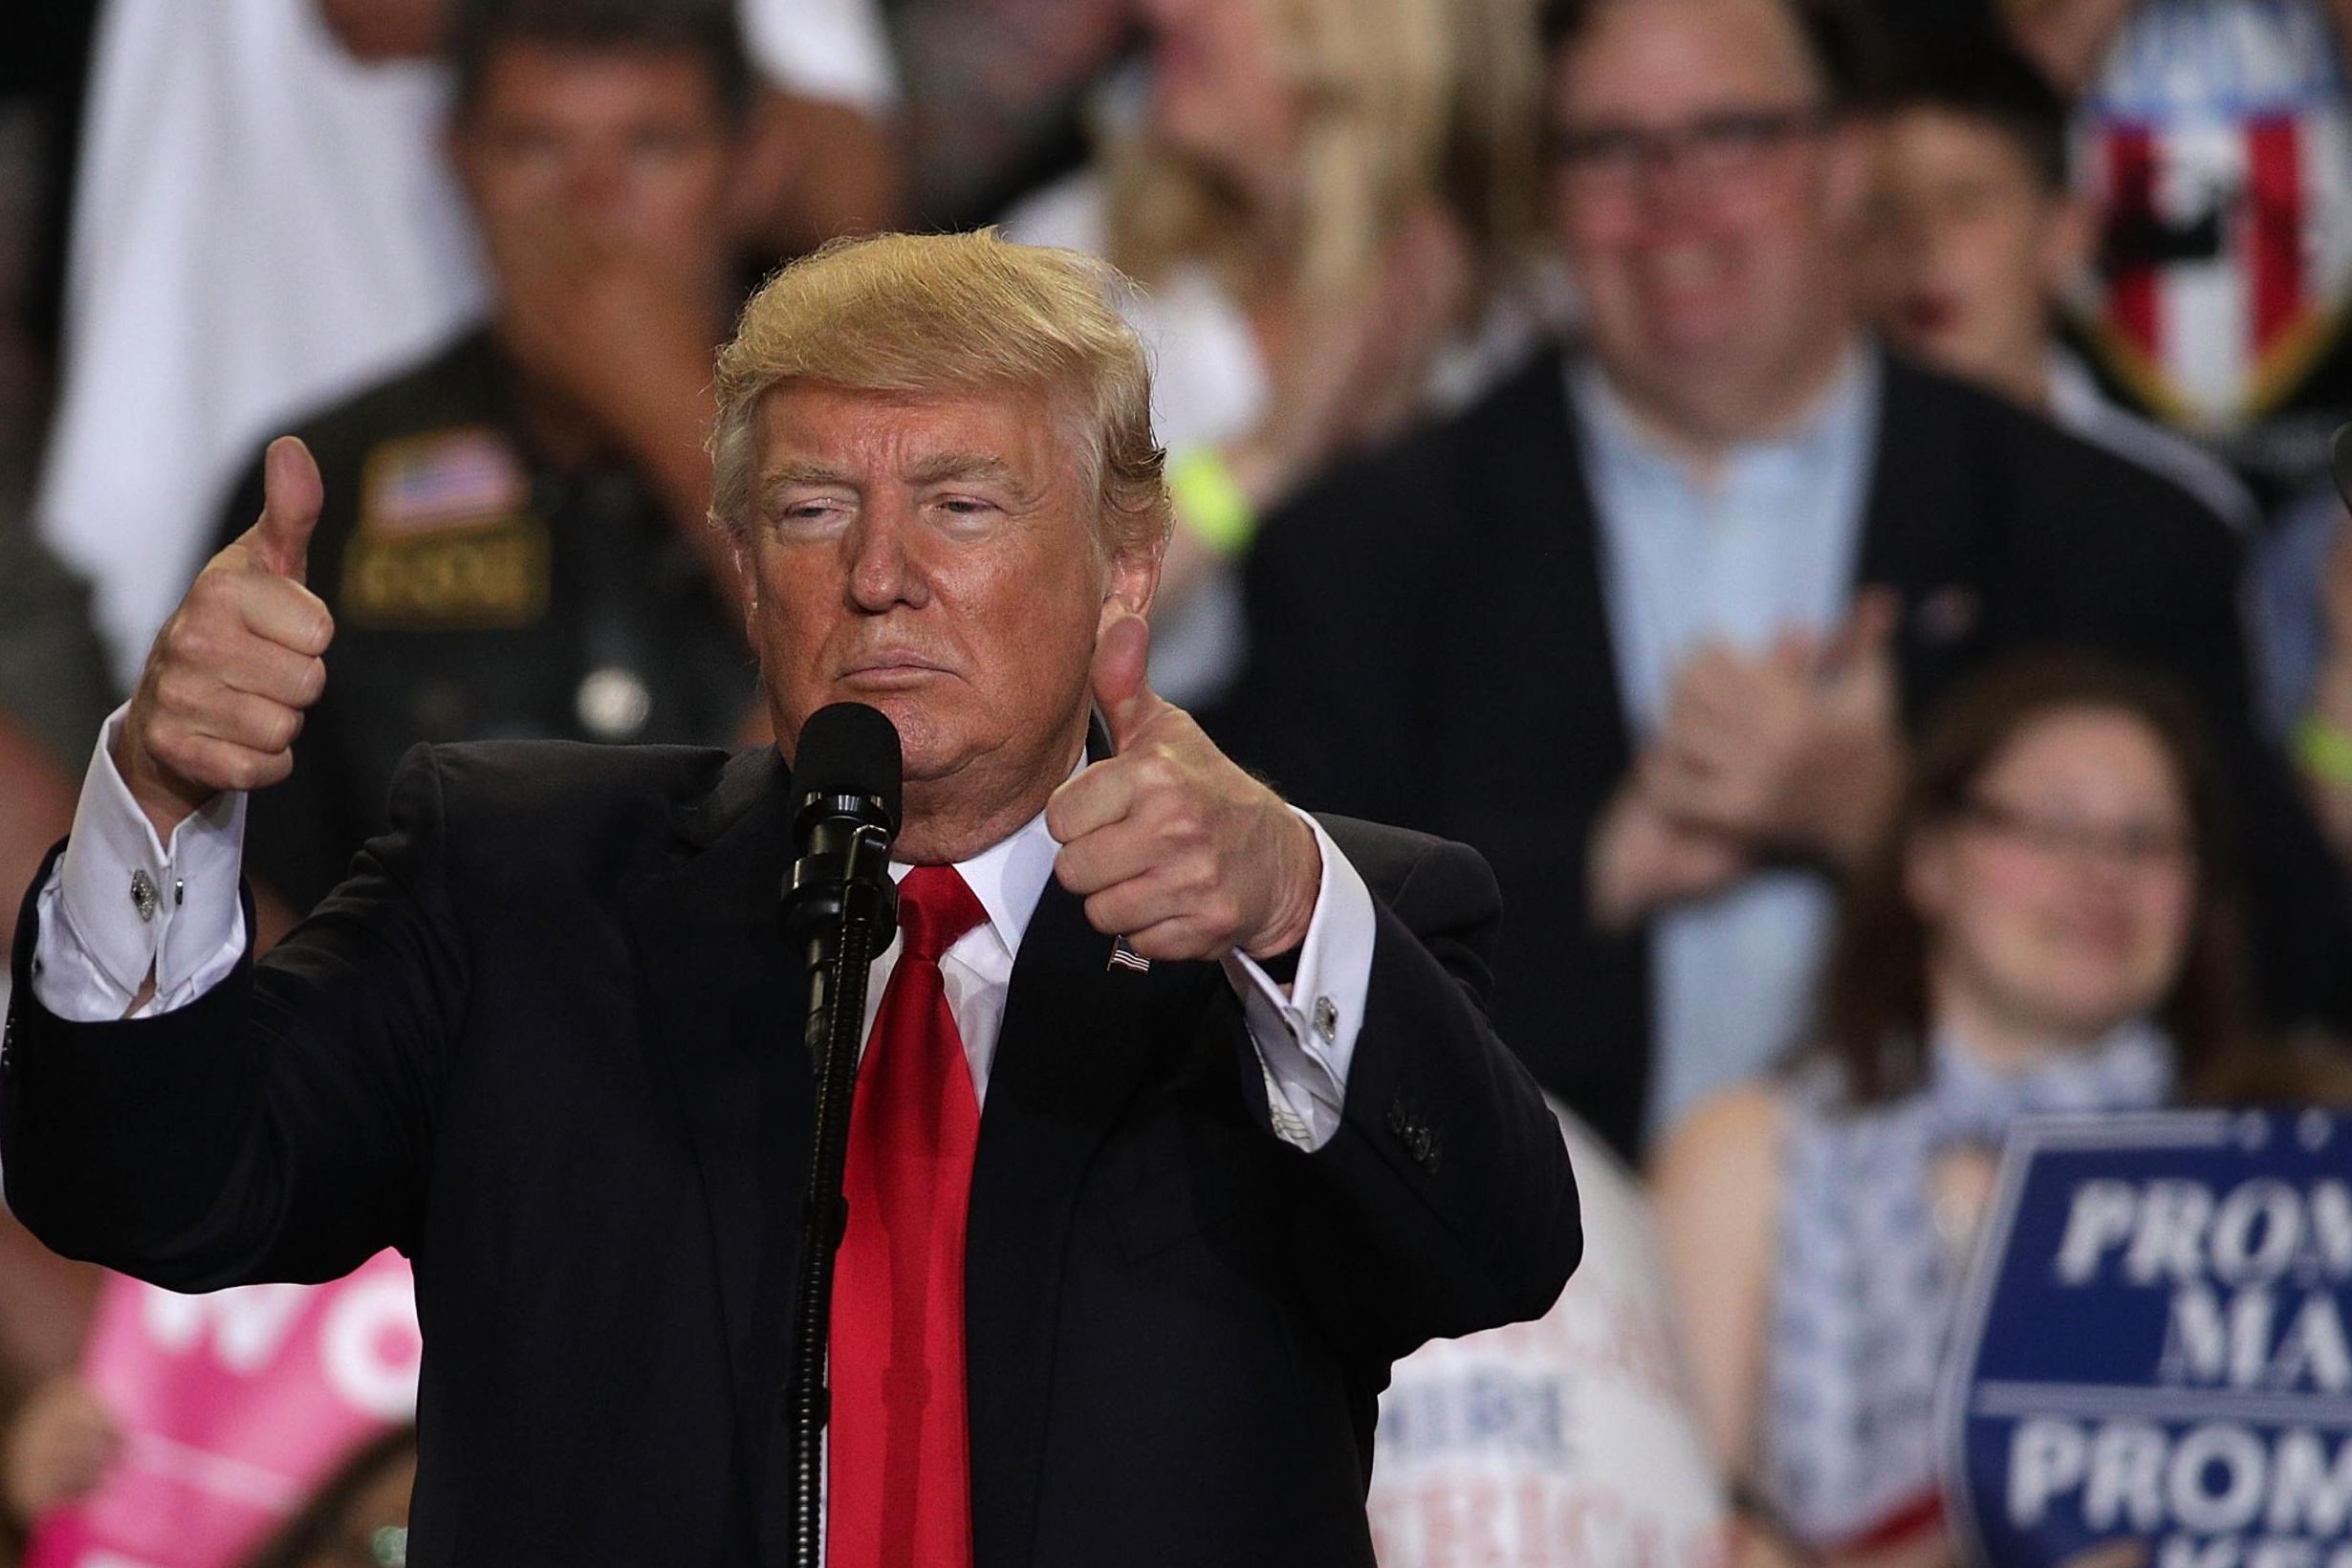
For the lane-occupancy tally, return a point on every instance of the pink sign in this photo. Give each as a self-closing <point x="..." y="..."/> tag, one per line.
<point x="234" y="1407"/>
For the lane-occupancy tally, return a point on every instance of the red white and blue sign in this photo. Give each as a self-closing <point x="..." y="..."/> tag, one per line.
<point x="2155" y="1346"/>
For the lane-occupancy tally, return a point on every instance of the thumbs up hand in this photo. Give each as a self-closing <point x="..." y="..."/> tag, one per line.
<point x="1170" y="844"/>
<point x="224" y="687"/>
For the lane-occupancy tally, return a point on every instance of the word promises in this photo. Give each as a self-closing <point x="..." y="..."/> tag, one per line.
<point x="2154" y="1347"/>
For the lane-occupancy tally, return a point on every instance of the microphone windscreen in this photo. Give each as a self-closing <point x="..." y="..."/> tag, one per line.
<point x="2340" y="461"/>
<point x="849" y="748"/>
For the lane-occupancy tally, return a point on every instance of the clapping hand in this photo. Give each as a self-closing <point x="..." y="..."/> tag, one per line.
<point x="623" y="330"/>
<point x="1796" y="752"/>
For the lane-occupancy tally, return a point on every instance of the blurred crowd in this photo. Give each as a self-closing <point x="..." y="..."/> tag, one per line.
<point x="1833" y="500"/>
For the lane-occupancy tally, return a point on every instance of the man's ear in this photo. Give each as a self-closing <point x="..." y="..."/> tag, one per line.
<point x="748" y="574"/>
<point x="1849" y="152"/>
<point x="2070" y="239"/>
<point x="1927" y="872"/>
<point x="457" y="150"/>
<point x="1133" y="582"/>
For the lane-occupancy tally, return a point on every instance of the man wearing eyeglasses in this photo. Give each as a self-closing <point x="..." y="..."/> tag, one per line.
<point x="1652" y="614"/>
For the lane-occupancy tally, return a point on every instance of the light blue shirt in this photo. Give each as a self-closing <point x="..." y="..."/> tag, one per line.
<point x="1765" y="544"/>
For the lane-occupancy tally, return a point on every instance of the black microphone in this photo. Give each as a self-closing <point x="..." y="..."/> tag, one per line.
<point x="846" y="784"/>
<point x="841" y="906"/>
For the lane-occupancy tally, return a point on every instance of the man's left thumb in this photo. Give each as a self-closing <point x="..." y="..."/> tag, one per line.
<point x="1122" y="688"/>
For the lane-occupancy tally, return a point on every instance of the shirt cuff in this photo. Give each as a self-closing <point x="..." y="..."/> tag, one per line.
<point x="1306" y="1035"/>
<point x="121" y="904"/>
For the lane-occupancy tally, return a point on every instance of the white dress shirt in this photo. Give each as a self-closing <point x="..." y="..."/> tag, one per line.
<point x="121" y="904"/>
<point x="1765" y="545"/>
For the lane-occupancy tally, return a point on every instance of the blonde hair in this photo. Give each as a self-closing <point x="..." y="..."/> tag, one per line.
<point x="1405" y="102"/>
<point x="948" y="313"/>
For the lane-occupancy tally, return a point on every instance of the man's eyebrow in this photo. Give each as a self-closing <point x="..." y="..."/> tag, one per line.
<point x="794" y="470"/>
<point x="943" y="467"/>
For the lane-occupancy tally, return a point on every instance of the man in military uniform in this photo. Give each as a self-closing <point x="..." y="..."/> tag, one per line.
<point x="514" y="541"/>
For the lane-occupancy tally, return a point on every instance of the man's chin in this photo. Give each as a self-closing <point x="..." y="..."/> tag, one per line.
<point x="922" y="730"/>
<point x="912" y="701"/>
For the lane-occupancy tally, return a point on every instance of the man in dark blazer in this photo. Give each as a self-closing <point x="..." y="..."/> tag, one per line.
<point x="546" y="1038"/>
<point x="1522" y="570"/>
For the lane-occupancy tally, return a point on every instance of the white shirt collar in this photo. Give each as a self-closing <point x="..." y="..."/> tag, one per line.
<point x="1009" y="877"/>
<point x="1839" y="412"/>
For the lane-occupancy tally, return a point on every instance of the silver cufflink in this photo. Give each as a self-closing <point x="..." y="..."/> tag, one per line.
<point x="1326" y="1018"/>
<point x="143" y="894"/>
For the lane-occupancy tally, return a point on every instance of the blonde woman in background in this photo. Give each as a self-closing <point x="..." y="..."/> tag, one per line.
<point x="1323" y="201"/>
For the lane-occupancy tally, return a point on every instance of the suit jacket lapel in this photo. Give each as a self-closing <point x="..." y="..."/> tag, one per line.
<point x="1921" y="537"/>
<point x="1077" y="1037"/>
<point x="1532" y="464"/>
<point x="724" y="1003"/>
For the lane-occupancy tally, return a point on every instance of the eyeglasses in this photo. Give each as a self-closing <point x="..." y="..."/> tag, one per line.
<point x="2137" y="846"/>
<point x="1612" y="160"/>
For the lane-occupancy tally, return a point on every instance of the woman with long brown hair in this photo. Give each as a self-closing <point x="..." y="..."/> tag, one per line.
<point x="2051" y="925"/>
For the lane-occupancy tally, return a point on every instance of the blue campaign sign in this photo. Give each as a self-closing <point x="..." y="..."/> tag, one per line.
<point x="2155" y="1346"/>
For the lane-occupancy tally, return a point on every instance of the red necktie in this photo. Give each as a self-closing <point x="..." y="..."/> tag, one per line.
<point x="900" y="1471"/>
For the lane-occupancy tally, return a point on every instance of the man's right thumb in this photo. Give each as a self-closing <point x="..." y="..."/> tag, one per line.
<point x="292" y="494"/>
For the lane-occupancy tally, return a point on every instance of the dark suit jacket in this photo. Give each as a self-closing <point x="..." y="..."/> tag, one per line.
<point x="474" y="625"/>
<point x="1429" y="644"/>
<point x="547" y="1039"/>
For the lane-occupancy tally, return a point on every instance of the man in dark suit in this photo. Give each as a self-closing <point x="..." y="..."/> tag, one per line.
<point x="546" y="1038"/>
<point x="1649" y="617"/>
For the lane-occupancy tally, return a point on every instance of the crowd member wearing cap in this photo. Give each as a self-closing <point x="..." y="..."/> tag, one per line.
<point x="513" y="541"/>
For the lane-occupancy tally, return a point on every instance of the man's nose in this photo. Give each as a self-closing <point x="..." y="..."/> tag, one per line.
<point x="1669" y="186"/>
<point x="594" y="183"/>
<point x="884" y="571"/>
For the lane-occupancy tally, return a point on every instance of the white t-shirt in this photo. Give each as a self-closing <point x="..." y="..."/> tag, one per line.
<point x="834" y="50"/>
<point x="264" y="226"/>
<point x="261" y="224"/>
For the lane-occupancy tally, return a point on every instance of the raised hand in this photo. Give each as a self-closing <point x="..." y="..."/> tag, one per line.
<point x="1170" y="844"/>
<point x="1797" y="749"/>
<point x="623" y="328"/>
<point x="224" y="687"/>
<point x="1643" y="861"/>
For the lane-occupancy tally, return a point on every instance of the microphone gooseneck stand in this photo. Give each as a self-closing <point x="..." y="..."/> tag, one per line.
<point x="843" y="906"/>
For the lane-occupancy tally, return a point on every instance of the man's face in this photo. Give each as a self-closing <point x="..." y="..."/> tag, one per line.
<point x="934" y="557"/>
<point x="1968" y="246"/>
<point x="624" y="147"/>
<point x="1701" y="198"/>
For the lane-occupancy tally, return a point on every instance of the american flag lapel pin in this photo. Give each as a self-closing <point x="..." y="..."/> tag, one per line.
<point x="1125" y="957"/>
